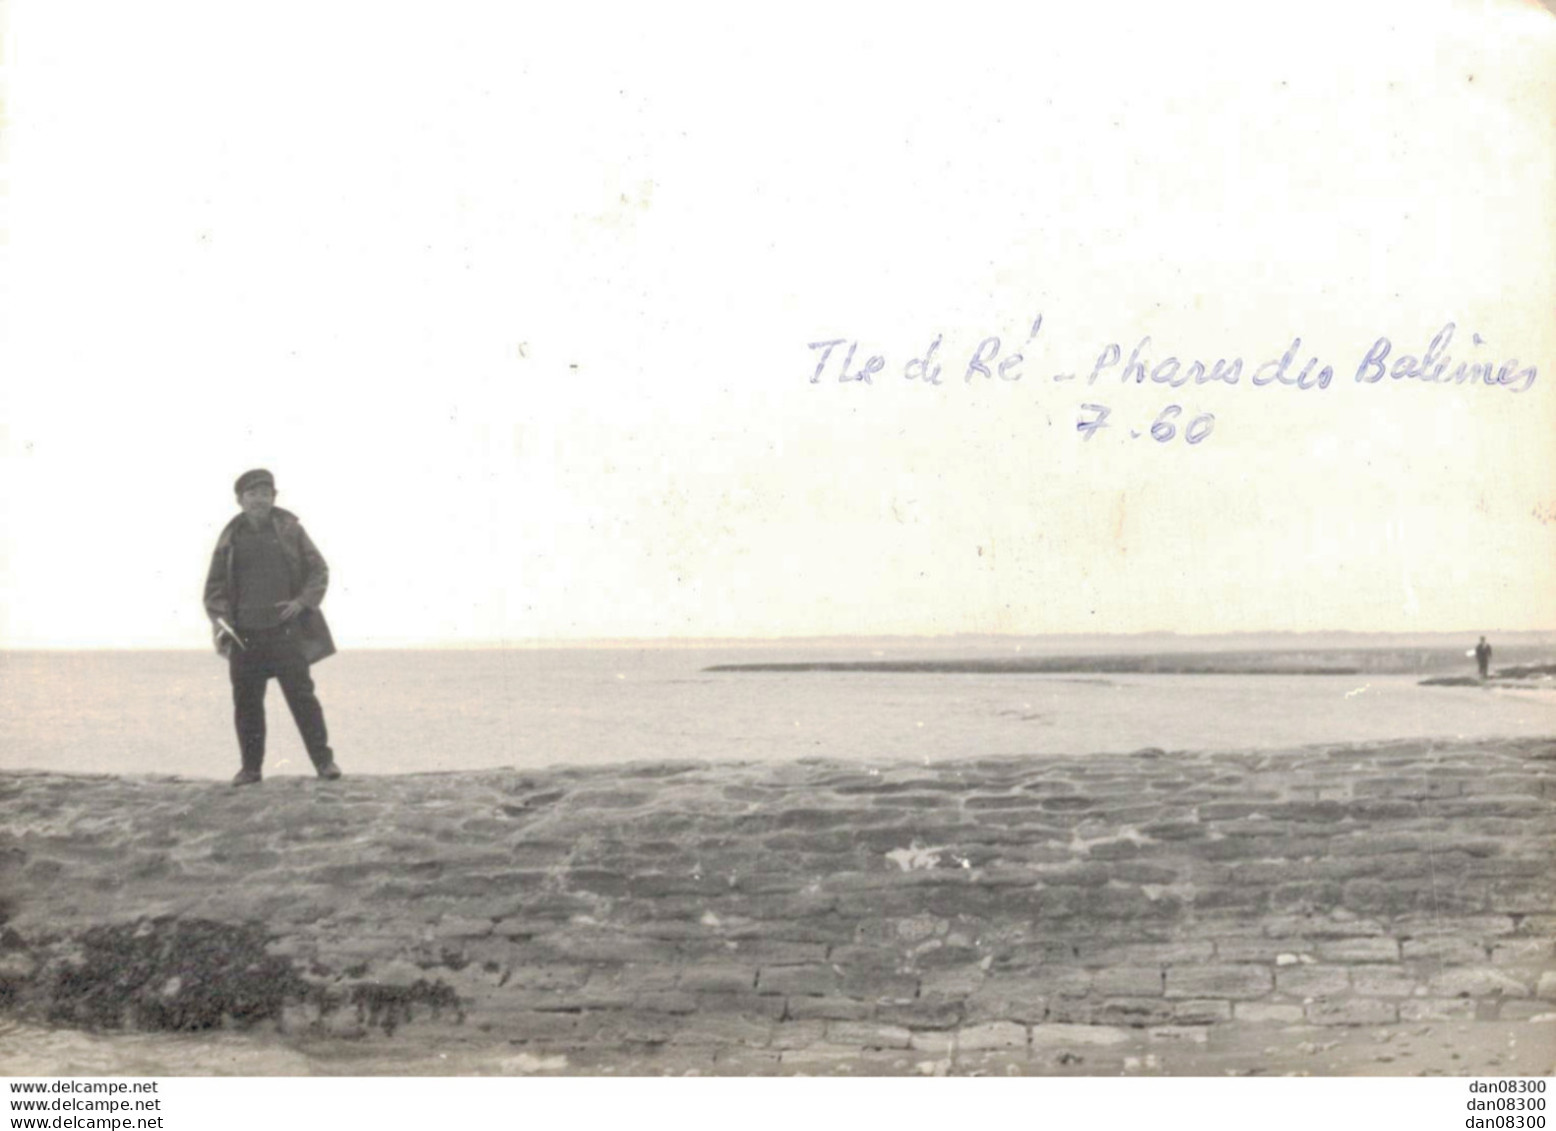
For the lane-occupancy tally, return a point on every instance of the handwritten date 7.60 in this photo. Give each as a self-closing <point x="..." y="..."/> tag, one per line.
<point x="1094" y="417"/>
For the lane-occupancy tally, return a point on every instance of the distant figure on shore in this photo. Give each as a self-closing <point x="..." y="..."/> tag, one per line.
<point x="1483" y="657"/>
<point x="262" y="594"/>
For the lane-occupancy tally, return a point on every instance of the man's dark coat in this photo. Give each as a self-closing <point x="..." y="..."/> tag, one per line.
<point x="308" y="574"/>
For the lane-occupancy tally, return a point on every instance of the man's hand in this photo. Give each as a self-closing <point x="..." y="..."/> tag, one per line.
<point x="290" y="609"/>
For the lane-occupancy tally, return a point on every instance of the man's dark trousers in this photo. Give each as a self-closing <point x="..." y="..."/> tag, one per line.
<point x="274" y="652"/>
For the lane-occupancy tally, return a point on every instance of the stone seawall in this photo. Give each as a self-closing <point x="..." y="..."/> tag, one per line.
<point x="1152" y="911"/>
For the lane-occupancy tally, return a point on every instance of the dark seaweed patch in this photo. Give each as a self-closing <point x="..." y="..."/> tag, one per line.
<point x="172" y="974"/>
<point x="388" y="1007"/>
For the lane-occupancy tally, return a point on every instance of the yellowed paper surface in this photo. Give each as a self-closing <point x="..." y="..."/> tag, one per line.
<point x="545" y="294"/>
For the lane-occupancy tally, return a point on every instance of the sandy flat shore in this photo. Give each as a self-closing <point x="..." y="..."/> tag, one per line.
<point x="1387" y="908"/>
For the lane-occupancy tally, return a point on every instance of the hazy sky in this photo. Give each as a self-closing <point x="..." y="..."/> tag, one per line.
<point x="516" y="302"/>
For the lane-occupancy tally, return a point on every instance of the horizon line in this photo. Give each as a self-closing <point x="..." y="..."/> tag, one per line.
<point x="500" y="643"/>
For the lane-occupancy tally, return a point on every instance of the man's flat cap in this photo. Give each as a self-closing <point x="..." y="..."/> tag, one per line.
<point x="259" y="477"/>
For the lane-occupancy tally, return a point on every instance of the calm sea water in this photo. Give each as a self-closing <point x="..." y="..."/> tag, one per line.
<point x="396" y="712"/>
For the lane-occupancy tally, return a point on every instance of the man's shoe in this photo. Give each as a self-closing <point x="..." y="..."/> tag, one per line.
<point x="247" y="777"/>
<point x="329" y="771"/>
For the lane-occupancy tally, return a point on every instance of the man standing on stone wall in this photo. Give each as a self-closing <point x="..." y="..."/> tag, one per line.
<point x="262" y="594"/>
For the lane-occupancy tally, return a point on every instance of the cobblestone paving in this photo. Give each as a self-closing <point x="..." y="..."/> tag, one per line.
<point x="1151" y="911"/>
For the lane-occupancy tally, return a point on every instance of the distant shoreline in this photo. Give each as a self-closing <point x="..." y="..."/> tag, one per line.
<point x="1446" y="664"/>
<point x="1043" y="665"/>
